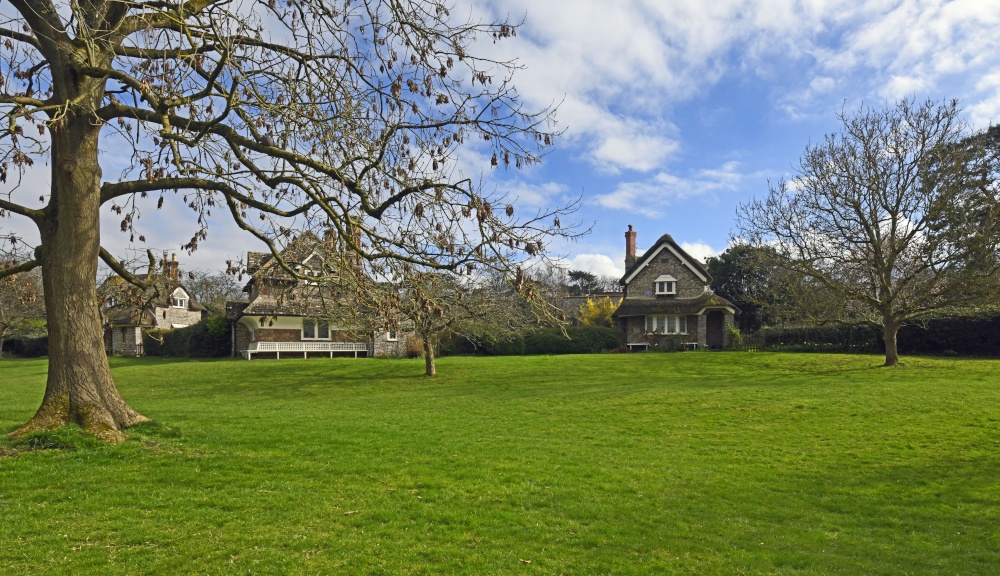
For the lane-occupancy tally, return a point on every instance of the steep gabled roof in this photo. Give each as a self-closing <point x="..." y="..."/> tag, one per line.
<point x="666" y="242"/>
<point x="300" y="248"/>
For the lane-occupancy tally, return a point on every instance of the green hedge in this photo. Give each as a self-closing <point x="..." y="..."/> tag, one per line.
<point x="209" y="338"/>
<point x="26" y="347"/>
<point x="950" y="336"/>
<point x="833" y="338"/>
<point x="582" y="340"/>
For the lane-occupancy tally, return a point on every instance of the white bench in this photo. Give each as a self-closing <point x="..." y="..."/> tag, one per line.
<point x="303" y="348"/>
<point x="645" y="345"/>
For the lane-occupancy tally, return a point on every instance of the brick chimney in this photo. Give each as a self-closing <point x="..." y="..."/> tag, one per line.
<point x="629" y="248"/>
<point x="170" y="270"/>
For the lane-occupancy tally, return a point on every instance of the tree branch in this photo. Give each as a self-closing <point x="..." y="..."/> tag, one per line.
<point x="23" y="267"/>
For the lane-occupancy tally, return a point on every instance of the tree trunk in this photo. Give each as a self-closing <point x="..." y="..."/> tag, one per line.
<point x="889" y="337"/>
<point x="431" y="370"/>
<point x="79" y="388"/>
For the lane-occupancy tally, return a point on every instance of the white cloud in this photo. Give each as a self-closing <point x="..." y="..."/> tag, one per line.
<point x="598" y="264"/>
<point x="699" y="250"/>
<point x="987" y="110"/>
<point x="651" y="196"/>
<point x="529" y="195"/>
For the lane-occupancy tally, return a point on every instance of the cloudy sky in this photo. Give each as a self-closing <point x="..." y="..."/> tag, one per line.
<point x="676" y="111"/>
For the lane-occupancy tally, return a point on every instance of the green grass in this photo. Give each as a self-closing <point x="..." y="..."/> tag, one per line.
<point x="725" y="463"/>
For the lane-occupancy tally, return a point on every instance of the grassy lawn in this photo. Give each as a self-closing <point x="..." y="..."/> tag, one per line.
<point x="724" y="463"/>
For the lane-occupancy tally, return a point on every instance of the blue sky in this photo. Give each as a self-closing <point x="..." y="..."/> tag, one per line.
<point x="676" y="111"/>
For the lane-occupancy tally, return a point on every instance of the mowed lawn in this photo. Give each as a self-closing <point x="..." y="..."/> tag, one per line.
<point x="688" y="463"/>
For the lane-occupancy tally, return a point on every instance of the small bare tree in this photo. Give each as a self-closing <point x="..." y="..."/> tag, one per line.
<point x="894" y="218"/>
<point x="432" y="304"/>
<point x="286" y="115"/>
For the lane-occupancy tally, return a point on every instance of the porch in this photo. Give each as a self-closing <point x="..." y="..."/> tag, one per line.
<point x="304" y="348"/>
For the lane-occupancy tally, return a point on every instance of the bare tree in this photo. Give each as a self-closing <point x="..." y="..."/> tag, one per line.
<point x="284" y="114"/>
<point x="894" y="218"/>
<point x="431" y="304"/>
<point x="213" y="288"/>
<point x="21" y="309"/>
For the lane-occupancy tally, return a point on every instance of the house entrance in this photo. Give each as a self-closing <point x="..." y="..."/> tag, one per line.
<point x="713" y="329"/>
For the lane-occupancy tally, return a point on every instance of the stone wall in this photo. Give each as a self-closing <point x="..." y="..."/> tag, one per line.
<point x="382" y="346"/>
<point x="688" y="284"/>
<point x="166" y="318"/>
<point x="125" y="340"/>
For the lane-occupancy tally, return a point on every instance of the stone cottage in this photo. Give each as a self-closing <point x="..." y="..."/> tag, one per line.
<point x="173" y="307"/>
<point x="667" y="293"/>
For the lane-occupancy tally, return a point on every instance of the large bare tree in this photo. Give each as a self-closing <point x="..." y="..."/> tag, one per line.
<point x="344" y="116"/>
<point x="894" y="218"/>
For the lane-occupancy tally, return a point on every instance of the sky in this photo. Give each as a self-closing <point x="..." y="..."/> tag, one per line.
<point x="676" y="111"/>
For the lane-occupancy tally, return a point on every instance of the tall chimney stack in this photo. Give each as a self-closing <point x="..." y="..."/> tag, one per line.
<point x="629" y="248"/>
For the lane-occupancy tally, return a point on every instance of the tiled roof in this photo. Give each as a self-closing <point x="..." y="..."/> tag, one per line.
<point x="644" y="306"/>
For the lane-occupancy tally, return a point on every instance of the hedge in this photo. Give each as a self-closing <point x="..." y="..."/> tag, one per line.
<point x="948" y="336"/>
<point x="209" y="338"/>
<point x="26" y="347"/>
<point x="582" y="340"/>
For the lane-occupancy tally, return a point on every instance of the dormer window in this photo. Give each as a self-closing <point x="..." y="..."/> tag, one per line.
<point x="179" y="299"/>
<point x="665" y="285"/>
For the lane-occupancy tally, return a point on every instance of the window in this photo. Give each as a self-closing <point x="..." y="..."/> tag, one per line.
<point x="667" y="324"/>
<point x="179" y="299"/>
<point x="391" y="335"/>
<point x="315" y="329"/>
<point x="665" y="285"/>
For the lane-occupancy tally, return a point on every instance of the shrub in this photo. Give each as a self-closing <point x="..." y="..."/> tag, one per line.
<point x="581" y="340"/>
<point x="206" y="339"/>
<point x="26" y="347"/>
<point x="666" y="342"/>
<point x="956" y="335"/>
<point x="414" y="346"/>
<point x="509" y="346"/>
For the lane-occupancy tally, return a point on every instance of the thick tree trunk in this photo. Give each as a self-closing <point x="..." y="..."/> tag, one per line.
<point x="889" y="337"/>
<point x="430" y="369"/>
<point x="79" y="388"/>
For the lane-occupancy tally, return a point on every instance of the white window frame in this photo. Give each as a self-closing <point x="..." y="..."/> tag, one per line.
<point x="180" y="299"/>
<point x="316" y="326"/>
<point x="666" y="324"/>
<point x="392" y="336"/>
<point x="665" y="285"/>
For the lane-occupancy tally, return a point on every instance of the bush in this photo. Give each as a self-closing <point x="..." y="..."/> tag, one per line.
<point x="666" y="342"/>
<point x="26" y="347"/>
<point x="833" y="338"/>
<point x="509" y="346"/>
<point x="414" y="346"/>
<point x="207" y="339"/>
<point x="950" y="336"/>
<point x="582" y="340"/>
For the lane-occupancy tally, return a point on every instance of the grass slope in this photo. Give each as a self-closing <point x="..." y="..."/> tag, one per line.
<point x="726" y="463"/>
